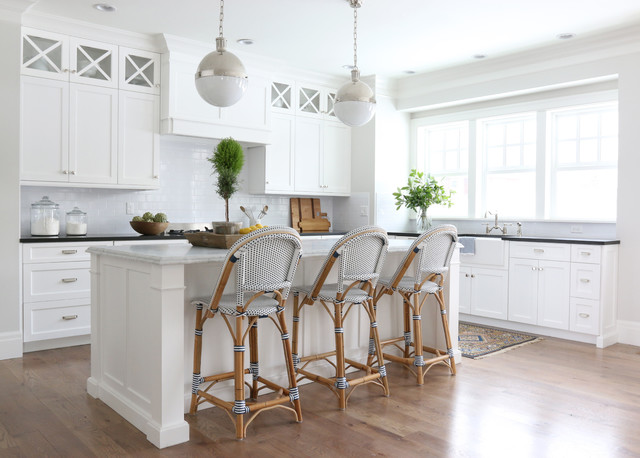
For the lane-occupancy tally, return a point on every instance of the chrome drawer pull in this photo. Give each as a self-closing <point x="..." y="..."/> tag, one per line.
<point x="585" y="280"/>
<point x="69" y="280"/>
<point x="538" y="250"/>
<point x="69" y="251"/>
<point x="585" y="253"/>
<point x="584" y="315"/>
<point x="69" y="317"/>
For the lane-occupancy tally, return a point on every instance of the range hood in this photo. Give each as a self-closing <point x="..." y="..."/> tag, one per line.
<point x="183" y="112"/>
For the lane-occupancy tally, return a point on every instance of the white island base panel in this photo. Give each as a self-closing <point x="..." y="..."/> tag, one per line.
<point x="143" y="327"/>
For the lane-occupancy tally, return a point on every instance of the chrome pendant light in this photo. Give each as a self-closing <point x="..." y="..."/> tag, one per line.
<point x="355" y="104"/>
<point x="221" y="79"/>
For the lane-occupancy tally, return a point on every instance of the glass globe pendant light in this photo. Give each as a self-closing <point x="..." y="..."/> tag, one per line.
<point x="355" y="104"/>
<point x="221" y="79"/>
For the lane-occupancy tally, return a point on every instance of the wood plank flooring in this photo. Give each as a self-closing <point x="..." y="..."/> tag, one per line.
<point x="548" y="399"/>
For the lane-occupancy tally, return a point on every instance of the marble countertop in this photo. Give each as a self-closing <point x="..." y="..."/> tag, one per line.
<point x="528" y="238"/>
<point x="166" y="254"/>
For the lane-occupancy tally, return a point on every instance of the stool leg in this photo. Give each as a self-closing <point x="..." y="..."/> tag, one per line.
<point x="417" y="338"/>
<point x="447" y="335"/>
<point x="407" y="327"/>
<point x="341" y="381"/>
<point x="197" y="357"/>
<point x="296" y="320"/>
<point x="253" y="358"/>
<point x="239" y="407"/>
<point x="378" y="349"/>
<point x="291" y="372"/>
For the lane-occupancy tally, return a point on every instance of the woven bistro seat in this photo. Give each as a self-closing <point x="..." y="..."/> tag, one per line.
<point x="358" y="257"/>
<point x="429" y="257"/>
<point x="265" y="263"/>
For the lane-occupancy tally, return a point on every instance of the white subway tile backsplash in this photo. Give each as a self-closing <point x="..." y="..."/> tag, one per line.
<point x="186" y="194"/>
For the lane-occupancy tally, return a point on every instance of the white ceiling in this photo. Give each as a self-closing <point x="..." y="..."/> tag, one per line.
<point x="393" y="35"/>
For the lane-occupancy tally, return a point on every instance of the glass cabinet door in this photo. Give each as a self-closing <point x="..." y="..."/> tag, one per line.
<point x="331" y="100"/>
<point x="309" y="100"/>
<point x="45" y="54"/>
<point x="282" y="96"/>
<point x="139" y="71"/>
<point x="93" y="63"/>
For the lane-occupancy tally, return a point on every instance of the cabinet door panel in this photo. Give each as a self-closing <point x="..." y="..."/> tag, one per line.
<point x="93" y="134"/>
<point x="585" y="281"/>
<point x="139" y="71"/>
<point x="336" y="158"/>
<point x="308" y="148"/>
<point x="279" y="160"/>
<point x="93" y="63"/>
<point x="465" y="290"/>
<point x="138" y="152"/>
<point x="45" y="54"/>
<point x="489" y="293"/>
<point x="523" y="290"/>
<point x="252" y="109"/>
<point x="44" y="129"/>
<point x="56" y="280"/>
<point x="553" y="294"/>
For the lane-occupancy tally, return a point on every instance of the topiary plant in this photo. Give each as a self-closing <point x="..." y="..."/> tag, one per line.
<point x="227" y="162"/>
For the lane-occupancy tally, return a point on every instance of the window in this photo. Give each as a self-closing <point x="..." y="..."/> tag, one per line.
<point x="444" y="153"/>
<point x="507" y="146"/>
<point x="583" y="168"/>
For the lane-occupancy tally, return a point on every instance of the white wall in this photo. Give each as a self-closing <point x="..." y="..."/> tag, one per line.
<point x="10" y="311"/>
<point x="598" y="58"/>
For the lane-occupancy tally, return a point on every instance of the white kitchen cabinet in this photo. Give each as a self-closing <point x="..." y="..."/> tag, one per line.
<point x="271" y="167"/>
<point x="64" y="58"/>
<point x="139" y="71"/>
<point x="68" y="132"/>
<point x="139" y="139"/>
<point x="56" y="290"/>
<point x="483" y="292"/>
<point x="539" y="284"/>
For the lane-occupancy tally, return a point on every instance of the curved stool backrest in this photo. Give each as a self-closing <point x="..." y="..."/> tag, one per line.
<point x="265" y="260"/>
<point x="434" y="250"/>
<point x="361" y="254"/>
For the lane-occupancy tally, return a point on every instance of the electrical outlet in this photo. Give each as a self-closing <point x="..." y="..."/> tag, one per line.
<point x="576" y="229"/>
<point x="364" y="210"/>
<point x="130" y="208"/>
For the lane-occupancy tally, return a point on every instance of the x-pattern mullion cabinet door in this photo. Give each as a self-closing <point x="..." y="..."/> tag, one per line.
<point x="45" y="54"/>
<point x="93" y="63"/>
<point x="283" y="97"/>
<point x="139" y="71"/>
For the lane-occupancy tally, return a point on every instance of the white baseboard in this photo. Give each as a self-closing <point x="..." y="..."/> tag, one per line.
<point x="10" y="345"/>
<point x="629" y="332"/>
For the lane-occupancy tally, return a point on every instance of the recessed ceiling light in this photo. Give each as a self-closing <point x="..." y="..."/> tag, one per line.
<point x="565" y="36"/>
<point x="105" y="7"/>
<point x="245" y="41"/>
<point x="409" y="72"/>
<point x="479" y="56"/>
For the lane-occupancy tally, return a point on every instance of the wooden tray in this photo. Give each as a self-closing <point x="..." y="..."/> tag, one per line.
<point x="211" y="240"/>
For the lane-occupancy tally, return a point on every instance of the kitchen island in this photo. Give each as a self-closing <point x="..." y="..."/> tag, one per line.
<point x="142" y="327"/>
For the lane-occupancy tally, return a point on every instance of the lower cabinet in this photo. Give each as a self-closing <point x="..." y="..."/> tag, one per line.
<point x="483" y="292"/>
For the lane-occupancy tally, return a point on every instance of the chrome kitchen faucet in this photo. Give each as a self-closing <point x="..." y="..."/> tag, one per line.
<point x="488" y="229"/>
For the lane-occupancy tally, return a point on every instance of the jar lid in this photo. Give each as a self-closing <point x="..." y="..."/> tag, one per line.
<point x="76" y="211"/>
<point x="45" y="202"/>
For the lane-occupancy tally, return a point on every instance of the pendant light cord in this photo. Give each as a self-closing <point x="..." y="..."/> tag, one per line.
<point x="221" y="17"/>
<point x="355" y="35"/>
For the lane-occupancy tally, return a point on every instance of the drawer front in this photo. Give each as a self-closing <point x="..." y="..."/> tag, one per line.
<point x="53" y="320"/>
<point x="585" y="281"/>
<point x="58" y="252"/>
<point x="584" y="316"/>
<point x="56" y="280"/>
<point x="589" y="254"/>
<point x="546" y="251"/>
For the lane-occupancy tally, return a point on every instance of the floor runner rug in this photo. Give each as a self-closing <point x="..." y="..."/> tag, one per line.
<point x="476" y="341"/>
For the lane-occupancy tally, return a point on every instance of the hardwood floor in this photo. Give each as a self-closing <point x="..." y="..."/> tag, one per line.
<point x="552" y="398"/>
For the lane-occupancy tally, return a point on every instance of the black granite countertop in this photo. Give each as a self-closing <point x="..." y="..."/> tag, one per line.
<point x="528" y="238"/>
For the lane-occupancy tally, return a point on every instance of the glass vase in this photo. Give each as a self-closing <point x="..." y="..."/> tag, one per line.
<point x="423" y="221"/>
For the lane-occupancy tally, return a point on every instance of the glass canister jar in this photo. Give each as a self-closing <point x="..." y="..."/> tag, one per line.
<point x="45" y="217"/>
<point x="76" y="222"/>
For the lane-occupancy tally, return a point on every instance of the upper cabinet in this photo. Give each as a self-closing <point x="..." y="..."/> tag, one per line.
<point x="59" y="57"/>
<point x="83" y="122"/>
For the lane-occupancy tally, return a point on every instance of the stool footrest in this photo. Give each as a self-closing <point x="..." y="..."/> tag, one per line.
<point x="222" y="377"/>
<point x="317" y="378"/>
<point x="318" y="356"/>
<point x="390" y="341"/>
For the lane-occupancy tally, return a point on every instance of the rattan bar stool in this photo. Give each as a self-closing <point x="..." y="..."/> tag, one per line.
<point x="359" y="256"/>
<point x="265" y="263"/>
<point x="430" y="255"/>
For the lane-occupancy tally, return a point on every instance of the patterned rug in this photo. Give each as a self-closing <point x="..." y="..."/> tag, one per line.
<point x="476" y="341"/>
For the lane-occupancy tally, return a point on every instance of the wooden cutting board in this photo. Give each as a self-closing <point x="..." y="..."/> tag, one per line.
<point x="309" y="210"/>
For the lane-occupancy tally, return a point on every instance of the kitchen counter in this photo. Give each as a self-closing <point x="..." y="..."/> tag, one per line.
<point x="129" y="237"/>
<point x="527" y="238"/>
<point x="142" y="327"/>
